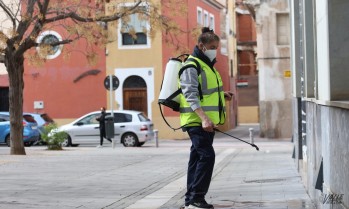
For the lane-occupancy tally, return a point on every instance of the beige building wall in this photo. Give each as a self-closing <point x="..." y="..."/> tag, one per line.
<point x="248" y="114"/>
<point x="232" y="46"/>
<point x="273" y="59"/>
<point x="232" y="54"/>
<point x="148" y="60"/>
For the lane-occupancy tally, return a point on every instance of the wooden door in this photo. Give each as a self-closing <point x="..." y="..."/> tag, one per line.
<point x="136" y="99"/>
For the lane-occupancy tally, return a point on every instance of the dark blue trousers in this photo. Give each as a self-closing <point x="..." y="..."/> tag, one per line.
<point x="201" y="163"/>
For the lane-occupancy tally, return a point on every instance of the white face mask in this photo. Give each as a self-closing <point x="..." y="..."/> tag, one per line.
<point x="211" y="54"/>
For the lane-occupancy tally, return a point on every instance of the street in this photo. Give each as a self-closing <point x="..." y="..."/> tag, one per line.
<point x="150" y="177"/>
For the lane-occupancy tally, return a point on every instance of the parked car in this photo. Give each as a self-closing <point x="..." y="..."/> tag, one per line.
<point x="31" y="133"/>
<point x="43" y="120"/>
<point x="132" y="128"/>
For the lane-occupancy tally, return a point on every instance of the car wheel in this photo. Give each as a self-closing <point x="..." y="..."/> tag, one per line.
<point x="67" y="142"/>
<point x="8" y="140"/>
<point x="129" y="140"/>
<point x="140" y="144"/>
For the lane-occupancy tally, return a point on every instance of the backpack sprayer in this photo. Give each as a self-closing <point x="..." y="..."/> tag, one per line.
<point x="169" y="91"/>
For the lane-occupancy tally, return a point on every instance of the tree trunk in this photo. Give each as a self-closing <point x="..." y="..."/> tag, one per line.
<point x="15" y="68"/>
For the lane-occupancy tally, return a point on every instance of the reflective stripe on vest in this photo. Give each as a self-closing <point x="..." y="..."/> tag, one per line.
<point x="211" y="91"/>
<point x="204" y="108"/>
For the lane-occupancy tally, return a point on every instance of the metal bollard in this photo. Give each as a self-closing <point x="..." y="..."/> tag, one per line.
<point x="156" y="137"/>
<point x="251" y="135"/>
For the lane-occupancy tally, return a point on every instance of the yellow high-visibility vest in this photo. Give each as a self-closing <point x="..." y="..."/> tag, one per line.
<point x="212" y="102"/>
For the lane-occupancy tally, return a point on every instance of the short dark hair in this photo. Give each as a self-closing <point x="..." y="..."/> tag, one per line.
<point x="207" y="36"/>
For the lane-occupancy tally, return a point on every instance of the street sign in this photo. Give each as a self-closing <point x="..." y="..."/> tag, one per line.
<point x="287" y="73"/>
<point x="114" y="84"/>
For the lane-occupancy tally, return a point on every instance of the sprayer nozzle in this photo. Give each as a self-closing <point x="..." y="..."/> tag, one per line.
<point x="255" y="146"/>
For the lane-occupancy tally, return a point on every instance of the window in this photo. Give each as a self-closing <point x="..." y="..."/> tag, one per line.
<point x="212" y="25"/>
<point x="133" y="31"/>
<point x="122" y="118"/>
<point x="4" y="118"/>
<point x="142" y="117"/>
<point x="50" y="37"/>
<point x="127" y="39"/>
<point x="134" y="82"/>
<point x="29" y="118"/>
<point x="206" y="23"/>
<point x="91" y="119"/>
<point x="199" y="16"/>
<point x="282" y="28"/>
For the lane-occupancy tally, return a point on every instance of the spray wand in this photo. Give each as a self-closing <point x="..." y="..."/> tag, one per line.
<point x="253" y="145"/>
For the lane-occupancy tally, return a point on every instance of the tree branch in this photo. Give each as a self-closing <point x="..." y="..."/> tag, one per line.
<point x="29" y="42"/>
<point x="25" y="23"/>
<point x="75" y="16"/>
<point x="66" y="41"/>
<point x="9" y="13"/>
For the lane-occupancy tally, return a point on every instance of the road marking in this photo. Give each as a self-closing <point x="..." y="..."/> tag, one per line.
<point x="163" y="195"/>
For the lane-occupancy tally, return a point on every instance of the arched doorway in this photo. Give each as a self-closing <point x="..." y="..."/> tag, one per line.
<point x="135" y="94"/>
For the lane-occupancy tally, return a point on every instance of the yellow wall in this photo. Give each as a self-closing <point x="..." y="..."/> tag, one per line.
<point x="248" y="114"/>
<point x="143" y="58"/>
<point x="61" y="122"/>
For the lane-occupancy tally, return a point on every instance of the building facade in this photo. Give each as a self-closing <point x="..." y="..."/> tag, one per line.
<point x="66" y="86"/>
<point x="273" y="63"/>
<point x="247" y="74"/>
<point x="139" y="64"/>
<point x="320" y="61"/>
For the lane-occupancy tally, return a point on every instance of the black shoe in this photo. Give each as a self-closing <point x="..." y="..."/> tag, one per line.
<point x="200" y="205"/>
<point x="185" y="206"/>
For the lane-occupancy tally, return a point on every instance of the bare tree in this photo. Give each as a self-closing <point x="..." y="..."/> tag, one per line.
<point x="26" y="19"/>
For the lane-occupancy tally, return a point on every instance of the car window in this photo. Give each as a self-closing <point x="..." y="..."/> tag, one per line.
<point x="91" y="119"/>
<point x="142" y="117"/>
<point x="29" y="118"/>
<point x="38" y="119"/>
<point x="47" y="118"/>
<point x="4" y="118"/>
<point x="122" y="118"/>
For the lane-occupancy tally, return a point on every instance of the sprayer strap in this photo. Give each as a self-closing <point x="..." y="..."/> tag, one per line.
<point x="174" y="94"/>
<point x="197" y="66"/>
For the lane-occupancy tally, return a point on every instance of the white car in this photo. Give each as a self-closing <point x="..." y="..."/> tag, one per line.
<point x="132" y="128"/>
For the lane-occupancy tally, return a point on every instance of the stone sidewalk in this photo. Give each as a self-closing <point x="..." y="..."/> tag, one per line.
<point x="150" y="178"/>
